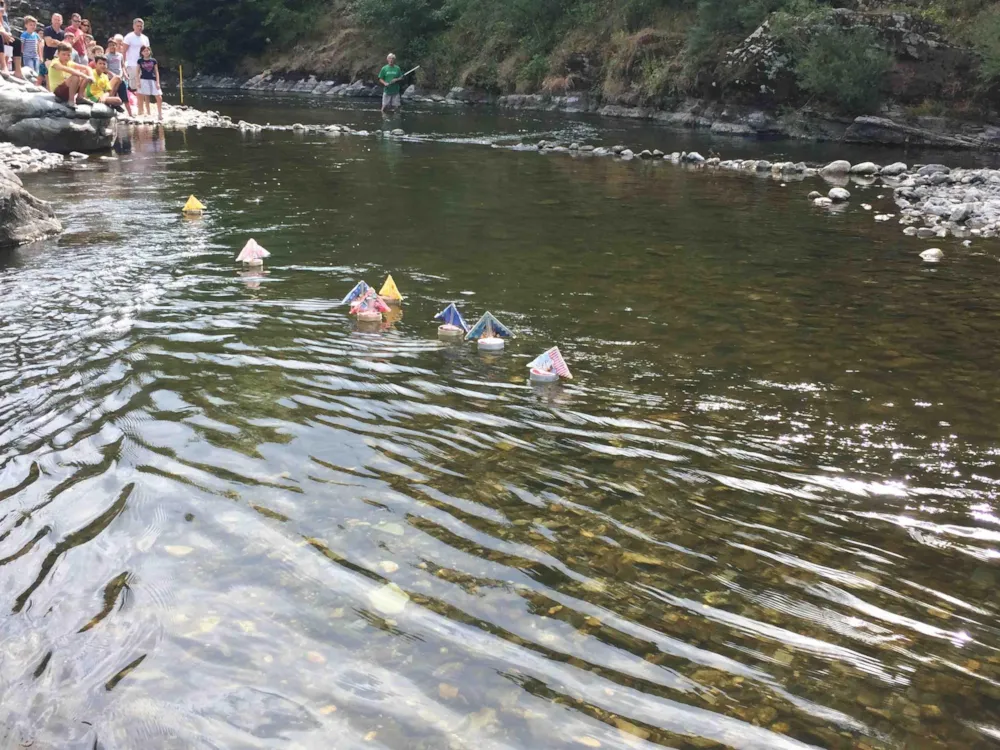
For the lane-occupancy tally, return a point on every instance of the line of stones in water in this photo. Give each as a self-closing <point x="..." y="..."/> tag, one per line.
<point x="963" y="203"/>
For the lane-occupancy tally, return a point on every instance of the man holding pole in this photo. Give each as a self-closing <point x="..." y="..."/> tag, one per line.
<point x="389" y="78"/>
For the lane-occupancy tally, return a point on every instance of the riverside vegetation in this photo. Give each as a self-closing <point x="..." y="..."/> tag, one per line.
<point x="921" y="57"/>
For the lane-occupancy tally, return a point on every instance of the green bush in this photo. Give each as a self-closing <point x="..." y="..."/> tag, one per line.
<point x="985" y="37"/>
<point x="408" y="25"/>
<point x="223" y="32"/>
<point x="531" y="75"/>
<point x="845" y="68"/>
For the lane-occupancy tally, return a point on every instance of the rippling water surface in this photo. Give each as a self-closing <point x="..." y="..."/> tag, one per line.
<point x="763" y="515"/>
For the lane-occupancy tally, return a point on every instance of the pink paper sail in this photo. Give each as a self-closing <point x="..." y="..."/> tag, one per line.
<point x="370" y="302"/>
<point x="552" y="361"/>
<point x="252" y="253"/>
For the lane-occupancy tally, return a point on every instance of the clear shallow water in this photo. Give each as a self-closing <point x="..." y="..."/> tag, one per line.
<point x="763" y="515"/>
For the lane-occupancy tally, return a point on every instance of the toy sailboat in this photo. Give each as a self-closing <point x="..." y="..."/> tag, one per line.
<point x="490" y="333"/>
<point x="193" y="206"/>
<point x="252" y="253"/>
<point x="390" y="292"/>
<point x="549" y="366"/>
<point x="370" y="307"/>
<point x="452" y="322"/>
<point x="358" y="292"/>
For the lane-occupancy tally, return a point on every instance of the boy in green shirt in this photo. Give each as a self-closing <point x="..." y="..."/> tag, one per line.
<point x="390" y="73"/>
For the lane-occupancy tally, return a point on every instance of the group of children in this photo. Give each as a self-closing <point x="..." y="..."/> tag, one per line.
<point x="70" y="63"/>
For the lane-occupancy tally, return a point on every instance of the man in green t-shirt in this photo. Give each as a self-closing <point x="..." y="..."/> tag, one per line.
<point x="388" y="77"/>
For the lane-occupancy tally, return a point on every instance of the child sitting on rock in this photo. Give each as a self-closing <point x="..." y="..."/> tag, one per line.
<point x="67" y="79"/>
<point x="102" y="89"/>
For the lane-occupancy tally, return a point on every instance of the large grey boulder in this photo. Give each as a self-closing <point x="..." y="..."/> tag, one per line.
<point x="30" y="116"/>
<point x="23" y="217"/>
<point x="894" y="170"/>
<point x="838" y="168"/>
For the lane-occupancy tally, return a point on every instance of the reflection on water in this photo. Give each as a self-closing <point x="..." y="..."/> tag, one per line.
<point x="762" y="516"/>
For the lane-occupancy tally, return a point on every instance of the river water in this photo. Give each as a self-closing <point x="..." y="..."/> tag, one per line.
<point x="762" y="515"/>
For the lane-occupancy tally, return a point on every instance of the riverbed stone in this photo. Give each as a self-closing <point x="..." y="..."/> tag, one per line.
<point x="930" y="169"/>
<point x="895" y="169"/>
<point x="839" y="195"/>
<point x="960" y="213"/>
<point x="822" y="202"/>
<point x="694" y="158"/>
<point x="838" y="168"/>
<point x="865" y="168"/>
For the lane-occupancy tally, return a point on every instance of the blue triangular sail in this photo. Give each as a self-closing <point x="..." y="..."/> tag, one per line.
<point x="452" y="317"/>
<point x="357" y="292"/>
<point x="489" y="326"/>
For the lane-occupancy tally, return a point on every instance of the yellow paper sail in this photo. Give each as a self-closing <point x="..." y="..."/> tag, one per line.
<point x="193" y="206"/>
<point x="390" y="291"/>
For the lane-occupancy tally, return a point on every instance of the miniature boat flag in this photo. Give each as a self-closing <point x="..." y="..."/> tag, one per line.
<point x="450" y="316"/>
<point x="193" y="206"/>
<point x="359" y="291"/>
<point x="371" y="302"/>
<point x="489" y="327"/>
<point x="390" y="292"/>
<point x="252" y="253"/>
<point x="551" y="361"/>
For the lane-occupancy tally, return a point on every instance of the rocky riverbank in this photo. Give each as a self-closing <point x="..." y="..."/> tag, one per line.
<point x="23" y="218"/>
<point x="31" y="116"/>
<point x="894" y="128"/>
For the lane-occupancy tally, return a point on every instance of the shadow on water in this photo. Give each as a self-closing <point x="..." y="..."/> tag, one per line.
<point x="762" y="515"/>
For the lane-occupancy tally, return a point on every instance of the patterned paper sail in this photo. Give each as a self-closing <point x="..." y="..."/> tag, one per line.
<point x="452" y="317"/>
<point x="489" y="327"/>
<point x="552" y="361"/>
<point x="193" y="206"/>
<point x="359" y="291"/>
<point x="251" y="252"/>
<point x="390" y="291"/>
<point x="371" y="302"/>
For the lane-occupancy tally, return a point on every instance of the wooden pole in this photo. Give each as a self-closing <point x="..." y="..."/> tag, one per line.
<point x="180" y="69"/>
